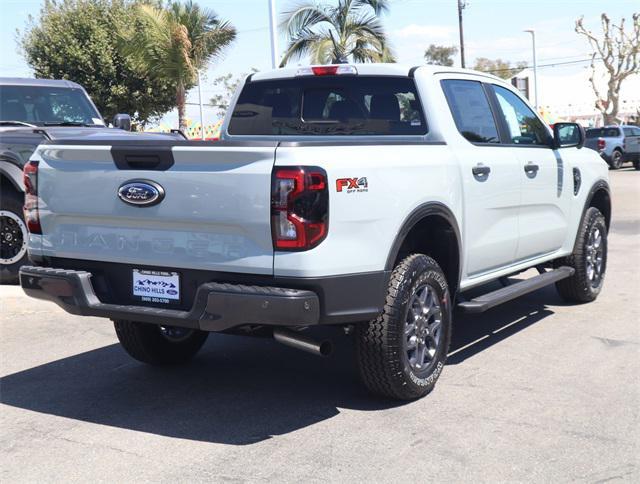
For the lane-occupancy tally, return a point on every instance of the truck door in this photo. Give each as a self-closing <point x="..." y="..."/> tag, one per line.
<point x="491" y="182"/>
<point x="543" y="174"/>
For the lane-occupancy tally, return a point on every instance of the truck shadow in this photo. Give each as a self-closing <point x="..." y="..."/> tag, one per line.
<point x="473" y="333"/>
<point x="238" y="390"/>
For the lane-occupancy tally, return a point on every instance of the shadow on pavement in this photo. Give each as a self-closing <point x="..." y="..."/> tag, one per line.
<point x="473" y="333"/>
<point x="238" y="390"/>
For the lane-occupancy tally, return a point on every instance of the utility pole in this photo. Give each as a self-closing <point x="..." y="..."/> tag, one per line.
<point x="274" y="35"/>
<point x="535" y="69"/>
<point x="462" y="4"/>
<point x="200" y="102"/>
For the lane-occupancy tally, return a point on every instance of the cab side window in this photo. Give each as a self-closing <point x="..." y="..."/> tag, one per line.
<point x="524" y="127"/>
<point x="471" y="111"/>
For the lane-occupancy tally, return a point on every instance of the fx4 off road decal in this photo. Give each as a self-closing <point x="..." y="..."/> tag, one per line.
<point x="351" y="185"/>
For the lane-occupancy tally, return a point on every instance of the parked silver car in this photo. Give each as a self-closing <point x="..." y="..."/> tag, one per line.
<point x="616" y="144"/>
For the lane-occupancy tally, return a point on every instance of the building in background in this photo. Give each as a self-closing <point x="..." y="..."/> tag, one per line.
<point x="570" y="97"/>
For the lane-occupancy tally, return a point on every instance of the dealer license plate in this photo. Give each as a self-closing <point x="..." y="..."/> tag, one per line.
<point x="156" y="286"/>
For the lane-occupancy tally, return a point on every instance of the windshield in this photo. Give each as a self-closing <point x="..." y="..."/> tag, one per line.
<point x="329" y="105"/>
<point x="47" y="106"/>
<point x="603" y="133"/>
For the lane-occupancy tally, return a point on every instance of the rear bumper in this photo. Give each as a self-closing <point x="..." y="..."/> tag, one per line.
<point x="216" y="306"/>
<point x="213" y="301"/>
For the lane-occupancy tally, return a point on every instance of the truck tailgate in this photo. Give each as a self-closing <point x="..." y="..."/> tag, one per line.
<point x="215" y="214"/>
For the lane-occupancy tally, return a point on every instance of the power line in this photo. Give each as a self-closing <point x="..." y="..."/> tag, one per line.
<point x="554" y="64"/>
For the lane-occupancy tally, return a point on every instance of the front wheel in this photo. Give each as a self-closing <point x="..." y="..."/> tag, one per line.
<point x="159" y="345"/>
<point x="589" y="259"/>
<point x="402" y="352"/>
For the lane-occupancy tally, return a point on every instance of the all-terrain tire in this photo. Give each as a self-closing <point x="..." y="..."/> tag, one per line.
<point x="616" y="159"/>
<point x="149" y="344"/>
<point x="580" y="287"/>
<point x="381" y="344"/>
<point x="12" y="225"/>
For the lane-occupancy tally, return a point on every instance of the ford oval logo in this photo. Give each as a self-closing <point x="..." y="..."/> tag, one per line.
<point x="141" y="193"/>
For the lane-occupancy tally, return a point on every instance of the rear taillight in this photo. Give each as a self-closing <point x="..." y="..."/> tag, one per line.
<point x="601" y="144"/>
<point x="31" y="214"/>
<point x="299" y="207"/>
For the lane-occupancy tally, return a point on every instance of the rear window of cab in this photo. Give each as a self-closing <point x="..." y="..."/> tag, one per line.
<point x="329" y="106"/>
<point x="603" y="133"/>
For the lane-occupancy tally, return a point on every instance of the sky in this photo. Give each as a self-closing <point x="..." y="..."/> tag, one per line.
<point x="493" y="29"/>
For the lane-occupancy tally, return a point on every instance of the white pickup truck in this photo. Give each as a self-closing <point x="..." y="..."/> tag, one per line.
<point x="367" y="197"/>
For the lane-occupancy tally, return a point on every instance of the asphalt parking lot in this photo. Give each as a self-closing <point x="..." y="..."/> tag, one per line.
<point x="534" y="390"/>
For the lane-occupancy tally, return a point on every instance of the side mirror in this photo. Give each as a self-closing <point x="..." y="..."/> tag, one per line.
<point x="122" y="121"/>
<point x="568" y="135"/>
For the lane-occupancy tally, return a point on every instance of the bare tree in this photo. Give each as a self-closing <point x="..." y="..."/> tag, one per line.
<point x="619" y="51"/>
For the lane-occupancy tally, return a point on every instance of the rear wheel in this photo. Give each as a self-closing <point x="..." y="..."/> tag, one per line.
<point x="159" y="345"/>
<point x="402" y="352"/>
<point x="13" y="236"/>
<point x="589" y="259"/>
<point x="616" y="159"/>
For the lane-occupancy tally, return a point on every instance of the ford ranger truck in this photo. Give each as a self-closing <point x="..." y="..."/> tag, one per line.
<point x="365" y="197"/>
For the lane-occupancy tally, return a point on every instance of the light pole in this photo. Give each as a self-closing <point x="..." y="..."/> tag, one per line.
<point x="274" y="34"/>
<point x="200" y="102"/>
<point x="535" y="68"/>
<point x="462" y="4"/>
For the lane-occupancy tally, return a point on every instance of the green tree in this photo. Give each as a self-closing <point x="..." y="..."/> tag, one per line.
<point x="331" y="34"/>
<point x="74" y="39"/>
<point x="228" y="85"/>
<point x="440" y="55"/>
<point x="498" y="67"/>
<point x="175" y="43"/>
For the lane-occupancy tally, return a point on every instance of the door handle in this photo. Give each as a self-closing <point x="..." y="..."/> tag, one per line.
<point x="531" y="169"/>
<point x="481" y="171"/>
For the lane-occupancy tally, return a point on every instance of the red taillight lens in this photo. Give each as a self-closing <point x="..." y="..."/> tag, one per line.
<point x="325" y="70"/>
<point x="334" y="70"/>
<point x="31" y="214"/>
<point x="601" y="144"/>
<point x="299" y="207"/>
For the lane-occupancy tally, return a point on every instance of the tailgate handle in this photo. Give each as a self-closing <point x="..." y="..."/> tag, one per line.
<point x="142" y="162"/>
<point x="154" y="158"/>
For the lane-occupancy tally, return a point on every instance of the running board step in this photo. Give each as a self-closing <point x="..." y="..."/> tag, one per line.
<point x="502" y="295"/>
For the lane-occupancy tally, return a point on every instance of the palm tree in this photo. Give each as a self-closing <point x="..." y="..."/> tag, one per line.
<point x="332" y="34"/>
<point x="175" y="43"/>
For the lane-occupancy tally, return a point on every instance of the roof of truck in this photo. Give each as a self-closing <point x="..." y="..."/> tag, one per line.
<point x="372" y="69"/>
<point x="613" y="126"/>
<point x="26" y="81"/>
